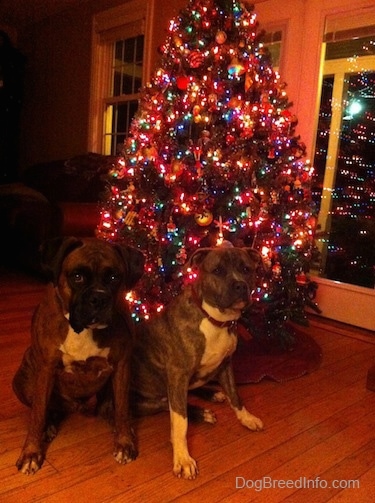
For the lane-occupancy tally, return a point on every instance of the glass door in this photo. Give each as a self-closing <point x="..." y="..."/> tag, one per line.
<point x="345" y="184"/>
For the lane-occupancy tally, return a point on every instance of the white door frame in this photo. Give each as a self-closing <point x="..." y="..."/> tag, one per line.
<point x="343" y="302"/>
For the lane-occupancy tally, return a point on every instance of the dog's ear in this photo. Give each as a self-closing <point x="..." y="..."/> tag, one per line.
<point x="254" y="255"/>
<point x="135" y="262"/>
<point x="197" y="258"/>
<point x="53" y="252"/>
<point x="257" y="258"/>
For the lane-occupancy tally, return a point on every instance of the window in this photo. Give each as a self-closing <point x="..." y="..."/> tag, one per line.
<point x="345" y="166"/>
<point x="126" y="81"/>
<point x="344" y="158"/>
<point x="272" y="40"/>
<point x="120" y="66"/>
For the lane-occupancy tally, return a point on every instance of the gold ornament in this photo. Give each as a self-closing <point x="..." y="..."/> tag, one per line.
<point x="130" y="218"/>
<point x="177" y="167"/>
<point x="248" y="81"/>
<point x="221" y="37"/>
<point x="177" y="41"/>
<point x="204" y="218"/>
<point x="150" y="153"/>
<point x="196" y="110"/>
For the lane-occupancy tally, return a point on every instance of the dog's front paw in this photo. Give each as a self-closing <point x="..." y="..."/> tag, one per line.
<point x="126" y="453"/>
<point x="209" y="416"/>
<point x="249" y="420"/>
<point x="29" y="462"/>
<point x="219" y="397"/>
<point x="185" y="468"/>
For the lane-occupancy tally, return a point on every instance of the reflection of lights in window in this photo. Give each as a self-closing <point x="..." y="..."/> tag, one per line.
<point x="353" y="109"/>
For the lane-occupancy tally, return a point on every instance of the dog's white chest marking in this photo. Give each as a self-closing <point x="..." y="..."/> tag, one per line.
<point x="79" y="347"/>
<point x="220" y="343"/>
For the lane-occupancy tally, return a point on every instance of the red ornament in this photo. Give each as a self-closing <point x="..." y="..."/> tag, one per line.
<point x="212" y="101"/>
<point x="195" y="59"/>
<point x="311" y="222"/>
<point x="276" y="270"/>
<point x="230" y="139"/>
<point x="301" y="279"/>
<point x="171" y="226"/>
<point x="304" y="177"/>
<point x="182" y="82"/>
<point x="286" y="114"/>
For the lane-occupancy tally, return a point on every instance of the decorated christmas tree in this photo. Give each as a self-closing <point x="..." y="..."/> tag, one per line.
<point x="212" y="157"/>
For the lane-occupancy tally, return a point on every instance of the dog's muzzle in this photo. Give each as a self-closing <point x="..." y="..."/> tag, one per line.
<point x="240" y="290"/>
<point x="237" y="293"/>
<point x="90" y="309"/>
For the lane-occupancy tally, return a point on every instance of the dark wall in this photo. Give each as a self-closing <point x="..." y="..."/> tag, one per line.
<point x="57" y="82"/>
<point x="55" y="116"/>
<point x="12" y="64"/>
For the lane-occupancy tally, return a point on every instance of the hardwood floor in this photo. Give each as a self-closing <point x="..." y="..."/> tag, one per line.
<point x="319" y="429"/>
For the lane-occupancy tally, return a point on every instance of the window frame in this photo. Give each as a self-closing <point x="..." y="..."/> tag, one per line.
<point x="115" y="20"/>
<point x="270" y="29"/>
<point x="337" y="300"/>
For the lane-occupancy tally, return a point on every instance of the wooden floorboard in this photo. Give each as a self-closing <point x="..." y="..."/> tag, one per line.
<point x="319" y="432"/>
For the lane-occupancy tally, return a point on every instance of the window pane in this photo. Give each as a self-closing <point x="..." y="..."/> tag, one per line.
<point x="127" y="70"/>
<point x="121" y="117"/>
<point x="129" y="53"/>
<point x="321" y="149"/>
<point x="117" y="76"/>
<point x="127" y="66"/>
<point x="273" y="40"/>
<point x="118" y="51"/>
<point x="127" y="82"/>
<point x="275" y="50"/>
<point x="139" y="50"/>
<point x="351" y="254"/>
<point x="118" y="119"/>
<point x="346" y="48"/>
<point x="132" y="108"/>
<point x="345" y="164"/>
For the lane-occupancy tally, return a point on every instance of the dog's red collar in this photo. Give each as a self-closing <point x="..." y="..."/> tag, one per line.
<point x="221" y="324"/>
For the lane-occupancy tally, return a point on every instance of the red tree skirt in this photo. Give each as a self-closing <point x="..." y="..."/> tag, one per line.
<point x="253" y="362"/>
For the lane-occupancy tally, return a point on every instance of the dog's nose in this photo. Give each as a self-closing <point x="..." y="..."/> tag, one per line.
<point x="99" y="299"/>
<point x="240" y="288"/>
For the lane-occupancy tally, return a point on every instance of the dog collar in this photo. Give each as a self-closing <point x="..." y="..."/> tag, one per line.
<point x="221" y="324"/>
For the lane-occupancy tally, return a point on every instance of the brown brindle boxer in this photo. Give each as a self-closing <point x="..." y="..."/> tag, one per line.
<point x="191" y="342"/>
<point x="81" y="342"/>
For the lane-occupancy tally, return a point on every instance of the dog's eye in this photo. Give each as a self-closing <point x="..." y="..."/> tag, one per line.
<point x="112" y="277"/>
<point x="246" y="269"/>
<point x="78" y="278"/>
<point x="219" y="271"/>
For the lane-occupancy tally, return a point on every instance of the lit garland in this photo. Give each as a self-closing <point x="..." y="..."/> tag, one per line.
<point x="212" y="155"/>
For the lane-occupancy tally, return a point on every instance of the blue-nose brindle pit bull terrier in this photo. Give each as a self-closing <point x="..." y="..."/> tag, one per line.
<point x="191" y="343"/>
